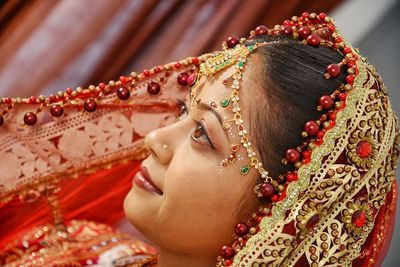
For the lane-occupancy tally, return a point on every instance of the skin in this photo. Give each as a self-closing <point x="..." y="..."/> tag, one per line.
<point x="200" y="205"/>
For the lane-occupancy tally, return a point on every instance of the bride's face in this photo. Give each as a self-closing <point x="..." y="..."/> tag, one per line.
<point x="194" y="203"/>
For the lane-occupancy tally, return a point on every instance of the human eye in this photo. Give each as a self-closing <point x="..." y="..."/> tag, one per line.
<point x="199" y="135"/>
<point x="184" y="111"/>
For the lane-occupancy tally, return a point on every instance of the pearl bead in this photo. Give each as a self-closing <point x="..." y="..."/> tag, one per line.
<point x="286" y="30"/>
<point x="30" y="118"/>
<point x="153" y="88"/>
<point x="267" y="189"/>
<point x="183" y="79"/>
<point x="326" y="102"/>
<point x="311" y="127"/>
<point x="304" y="32"/>
<point x="333" y="70"/>
<point x="56" y="110"/>
<point x="314" y="40"/>
<point x="232" y="41"/>
<point x="123" y="93"/>
<point x="227" y="252"/>
<point x="292" y="155"/>
<point x="241" y="229"/>
<point x="261" y="30"/>
<point x="90" y="105"/>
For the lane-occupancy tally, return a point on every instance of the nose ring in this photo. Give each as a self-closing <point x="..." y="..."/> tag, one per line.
<point x="165" y="146"/>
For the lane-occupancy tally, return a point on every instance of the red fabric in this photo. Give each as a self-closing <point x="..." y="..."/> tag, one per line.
<point x="90" y="198"/>
<point x="381" y="236"/>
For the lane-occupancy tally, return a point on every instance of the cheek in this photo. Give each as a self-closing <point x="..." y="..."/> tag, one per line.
<point x="198" y="200"/>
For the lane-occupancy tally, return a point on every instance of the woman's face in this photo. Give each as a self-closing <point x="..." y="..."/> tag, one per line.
<point x="198" y="203"/>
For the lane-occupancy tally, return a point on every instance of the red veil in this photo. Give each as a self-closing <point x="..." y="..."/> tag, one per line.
<point x="68" y="161"/>
<point x="73" y="166"/>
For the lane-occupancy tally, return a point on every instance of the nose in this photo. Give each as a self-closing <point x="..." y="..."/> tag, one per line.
<point x="159" y="143"/>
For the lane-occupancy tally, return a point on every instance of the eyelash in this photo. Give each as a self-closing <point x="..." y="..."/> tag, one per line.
<point x="199" y="126"/>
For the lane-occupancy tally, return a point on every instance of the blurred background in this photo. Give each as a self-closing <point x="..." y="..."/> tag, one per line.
<point x="48" y="45"/>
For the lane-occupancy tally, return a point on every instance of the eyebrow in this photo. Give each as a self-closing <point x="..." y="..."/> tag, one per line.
<point x="207" y="107"/>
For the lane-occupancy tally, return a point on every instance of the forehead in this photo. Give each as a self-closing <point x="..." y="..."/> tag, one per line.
<point x="212" y="89"/>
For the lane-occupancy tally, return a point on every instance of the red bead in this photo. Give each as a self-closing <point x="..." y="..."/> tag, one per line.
<point x="333" y="70"/>
<point x="342" y="96"/>
<point x="313" y="40"/>
<point x="102" y="86"/>
<point x="195" y="61"/>
<point x="7" y="100"/>
<point x="326" y="102"/>
<point x="287" y="22"/>
<point x="153" y="88"/>
<point x="305" y="14"/>
<point x="69" y="90"/>
<point x="363" y="149"/>
<point x="228" y="262"/>
<point x="291" y="177"/>
<point x="358" y="218"/>
<point x="1" y="120"/>
<point x="286" y="30"/>
<point x="332" y="116"/>
<point x="177" y="65"/>
<point x="123" y="93"/>
<point x="321" y="134"/>
<point x="267" y="189"/>
<point x="350" y="79"/>
<point x="56" y="110"/>
<point x="304" y="32"/>
<point x="323" y="33"/>
<point x="241" y="229"/>
<point x="32" y="99"/>
<point x="30" y="118"/>
<point x="261" y="30"/>
<point x="232" y="41"/>
<point x="346" y="50"/>
<point x="331" y="28"/>
<point x="312" y="222"/>
<point x="191" y="79"/>
<point x="292" y="155"/>
<point x="227" y="252"/>
<point x="306" y="154"/>
<point x="183" y="79"/>
<point x="311" y="127"/>
<point x="146" y="73"/>
<point x="322" y="16"/>
<point x="52" y="98"/>
<point x="338" y="39"/>
<point x="122" y="79"/>
<point x="275" y="198"/>
<point x="157" y="69"/>
<point x="90" y="105"/>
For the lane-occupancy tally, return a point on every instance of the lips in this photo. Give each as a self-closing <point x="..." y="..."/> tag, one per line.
<point x="143" y="180"/>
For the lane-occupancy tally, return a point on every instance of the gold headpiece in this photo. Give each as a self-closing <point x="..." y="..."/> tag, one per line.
<point x="324" y="211"/>
<point x="340" y="188"/>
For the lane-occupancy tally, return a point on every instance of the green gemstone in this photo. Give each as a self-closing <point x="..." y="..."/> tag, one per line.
<point x="240" y="63"/>
<point x="245" y="170"/>
<point x="251" y="47"/>
<point x="225" y="102"/>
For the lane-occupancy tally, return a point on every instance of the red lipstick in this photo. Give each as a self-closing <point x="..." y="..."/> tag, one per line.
<point x="143" y="180"/>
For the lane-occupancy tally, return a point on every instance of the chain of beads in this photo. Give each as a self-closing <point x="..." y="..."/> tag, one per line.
<point x="310" y="29"/>
<point x="90" y="96"/>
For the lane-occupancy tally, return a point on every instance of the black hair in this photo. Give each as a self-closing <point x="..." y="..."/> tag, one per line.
<point x="293" y="82"/>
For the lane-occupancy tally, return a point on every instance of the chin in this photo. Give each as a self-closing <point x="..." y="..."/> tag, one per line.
<point x="139" y="212"/>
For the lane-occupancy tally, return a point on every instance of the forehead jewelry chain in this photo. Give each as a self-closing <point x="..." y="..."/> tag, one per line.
<point x="222" y="60"/>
